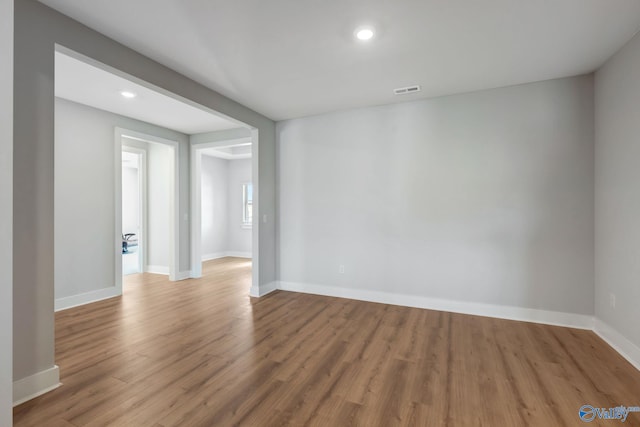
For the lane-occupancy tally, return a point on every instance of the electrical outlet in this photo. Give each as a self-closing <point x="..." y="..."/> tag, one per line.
<point x="612" y="300"/>
<point x="341" y="269"/>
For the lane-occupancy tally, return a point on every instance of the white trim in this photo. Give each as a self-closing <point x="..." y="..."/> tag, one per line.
<point x="174" y="198"/>
<point x="245" y="224"/>
<point x="218" y="255"/>
<point x="618" y="342"/>
<point x="212" y="148"/>
<point x="36" y="385"/>
<point x="227" y="156"/>
<point x="157" y="269"/>
<point x="263" y="290"/>
<point x="183" y="275"/>
<point x="239" y="254"/>
<point x="225" y="143"/>
<point x="572" y="320"/>
<point x="196" y="211"/>
<point x="257" y="210"/>
<point x="87" y="298"/>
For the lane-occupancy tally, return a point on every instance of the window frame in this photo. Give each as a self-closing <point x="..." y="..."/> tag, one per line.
<point x="247" y="222"/>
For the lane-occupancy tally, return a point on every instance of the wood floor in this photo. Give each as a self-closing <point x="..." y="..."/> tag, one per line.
<point x="202" y="353"/>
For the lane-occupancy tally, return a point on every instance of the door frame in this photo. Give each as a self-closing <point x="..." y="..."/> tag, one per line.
<point x="196" y="203"/>
<point x="174" y="214"/>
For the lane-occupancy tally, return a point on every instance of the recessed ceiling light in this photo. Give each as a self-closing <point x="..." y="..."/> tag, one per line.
<point x="364" y="33"/>
<point x="127" y="94"/>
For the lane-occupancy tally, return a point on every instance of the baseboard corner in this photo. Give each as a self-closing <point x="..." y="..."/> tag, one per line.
<point x="212" y="256"/>
<point x="36" y="385"/>
<point x="263" y="289"/>
<point x="183" y="275"/>
<point x="157" y="269"/>
<point x="238" y="254"/>
<point x="618" y="342"/>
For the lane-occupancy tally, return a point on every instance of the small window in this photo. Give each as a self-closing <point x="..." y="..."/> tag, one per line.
<point x="247" y="205"/>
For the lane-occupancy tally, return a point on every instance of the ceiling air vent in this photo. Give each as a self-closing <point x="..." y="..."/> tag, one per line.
<point x="406" y="90"/>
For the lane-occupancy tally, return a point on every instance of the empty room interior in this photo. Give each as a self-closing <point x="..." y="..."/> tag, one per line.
<point x="319" y="213"/>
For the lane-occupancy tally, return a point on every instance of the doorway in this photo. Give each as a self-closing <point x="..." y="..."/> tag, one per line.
<point x="134" y="209"/>
<point x="149" y="234"/>
<point x="222" y="201"/>
<point x="107" y="114"/>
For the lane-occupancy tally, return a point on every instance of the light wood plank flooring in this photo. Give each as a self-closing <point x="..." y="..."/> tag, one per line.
<point x="202" y="353"/>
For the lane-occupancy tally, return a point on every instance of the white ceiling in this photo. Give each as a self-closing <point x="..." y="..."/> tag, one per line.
<point x="83" y="83"/>
<point x="287" y="58"/>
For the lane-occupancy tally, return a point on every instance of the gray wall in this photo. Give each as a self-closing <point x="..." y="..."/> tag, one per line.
<point x="239" y="174"/>
<point x="37" y="30"/>
<point x="215" y="206"/>
<point x="84" y="195"/>
<point x="33" y="179"/>
<point x="484" y="197"/>
<point x="617" y="191"/>
<point x="222" y="230"/>
<point x="6" y="208"/>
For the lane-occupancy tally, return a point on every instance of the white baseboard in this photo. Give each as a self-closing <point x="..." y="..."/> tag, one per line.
<point x="217" y="255"/>
<point x="161" y="269"/>
<point x="618" y="342"/>
<point x="36" y="385"/>
<point x="556" y="318"/>
<point x="157" y="269"/>
<point x="264" y="289"/>
<point x="182" y="275"/>
<point x="86" y="298"/>
<point x="239" y="254"/>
